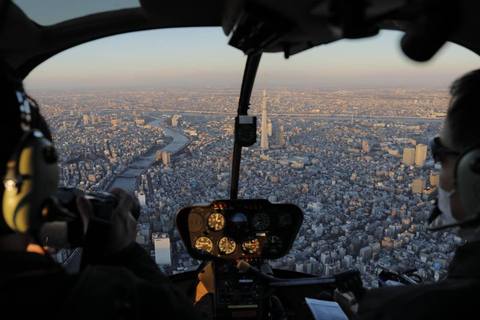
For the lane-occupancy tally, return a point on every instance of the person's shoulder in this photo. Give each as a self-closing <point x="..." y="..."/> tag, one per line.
<point x="101" y="291"/>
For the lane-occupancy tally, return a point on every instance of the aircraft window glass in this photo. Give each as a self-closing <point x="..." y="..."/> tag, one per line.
<point x="50" y="12"/>
<point x="353" y="157"/>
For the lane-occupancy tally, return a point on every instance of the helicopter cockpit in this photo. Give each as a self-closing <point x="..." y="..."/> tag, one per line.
<point x="234" y="238"/>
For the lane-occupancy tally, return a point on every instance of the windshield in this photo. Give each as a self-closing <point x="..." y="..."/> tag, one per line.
<point x="347" y="135"/>
<point x="49" y="12"/>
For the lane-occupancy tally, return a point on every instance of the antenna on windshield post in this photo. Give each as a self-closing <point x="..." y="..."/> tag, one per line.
<point x="245" y="125"/>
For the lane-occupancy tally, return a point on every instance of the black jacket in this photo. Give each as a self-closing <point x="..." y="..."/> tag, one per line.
<point x="128" y="286"/>
<point x="456" y="297"/>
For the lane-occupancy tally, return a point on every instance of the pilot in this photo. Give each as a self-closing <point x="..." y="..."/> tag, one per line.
<point x="128" y="285"/>
<point x="457" y="149"/>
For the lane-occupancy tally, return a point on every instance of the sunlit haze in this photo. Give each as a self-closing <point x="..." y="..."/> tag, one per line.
<point x="202" y="57"/>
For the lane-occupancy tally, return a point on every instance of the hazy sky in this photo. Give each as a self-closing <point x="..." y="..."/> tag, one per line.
<point x="201" y="56"/>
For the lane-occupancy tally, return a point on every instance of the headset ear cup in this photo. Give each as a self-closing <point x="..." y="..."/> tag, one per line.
<point x="467" y="180"/>
<point x="31" y="179"/>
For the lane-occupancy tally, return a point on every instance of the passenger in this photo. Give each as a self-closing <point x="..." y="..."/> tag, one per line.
<point x="128" y="285"/>
<point x="455" y="297"/>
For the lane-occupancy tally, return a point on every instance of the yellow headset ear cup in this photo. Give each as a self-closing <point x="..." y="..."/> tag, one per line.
<point x="467" y="180"/>
<point x="32" y="182"/>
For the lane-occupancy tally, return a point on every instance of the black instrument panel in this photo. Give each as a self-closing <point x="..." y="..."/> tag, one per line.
<point x="239" y="229"/>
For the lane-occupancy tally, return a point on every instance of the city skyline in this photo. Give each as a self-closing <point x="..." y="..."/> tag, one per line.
<point x="201" y="57"/>
<point x="364" y="206"/>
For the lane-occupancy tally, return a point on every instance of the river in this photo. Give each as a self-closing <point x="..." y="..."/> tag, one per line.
<point x="127" y="180"/>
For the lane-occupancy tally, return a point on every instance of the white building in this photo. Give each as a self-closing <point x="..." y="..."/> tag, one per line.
<point x="141" y="199"/>
<point x="162" y="249"/>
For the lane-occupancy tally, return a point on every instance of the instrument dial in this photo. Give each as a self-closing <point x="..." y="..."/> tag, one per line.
<point x="227" y="245"/>
<point x="216" y="221"/>
<point x="284" y="219"/>
<point x="238" y="222"/>
<point x="204" y="244"/>
<point x="260" y="221"/>
<point x="274" y="244"/>
<point x="251" y="244"/>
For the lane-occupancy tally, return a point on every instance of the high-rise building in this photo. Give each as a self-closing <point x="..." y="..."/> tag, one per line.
<point x="141" y="199"/>
<point x="434" y="179"/>
<point x="408" y="156"/>
<point x="365" y="253"/>
<point x="166" y="157"/>
<point x="365" y="146"/>
<point x="159" y="155"/>
<point x="279" y="138"/>
<point x="418" y="185"/>
<point x="420" y="154"/>
<point x="264" y="139"/>
<point x="162" y="249"/>
<point x="85" y="119"/>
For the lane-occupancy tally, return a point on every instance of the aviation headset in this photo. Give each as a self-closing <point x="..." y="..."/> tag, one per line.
<point x="467" y="186"/>
<point x="31" y="173"/>
<point x="467" y="180"/>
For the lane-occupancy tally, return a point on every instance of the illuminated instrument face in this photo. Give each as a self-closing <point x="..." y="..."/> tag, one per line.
<point x="239" y="229"/>
<point x="227" y="245"/>
<point x="284" y="219"/>
<point x="260" y="221"/>
<point x="274" y="244"/>
<point x="216" y="221"/>
<point x="238" y="222"/>
<point x="204" y="244"/>
<point x="251" y="244"/>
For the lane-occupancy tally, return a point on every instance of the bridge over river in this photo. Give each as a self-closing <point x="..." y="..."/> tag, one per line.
<point x="127" y="179"/>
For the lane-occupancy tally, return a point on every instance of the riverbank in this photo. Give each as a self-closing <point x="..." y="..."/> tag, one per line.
<point x="127" y="179"/>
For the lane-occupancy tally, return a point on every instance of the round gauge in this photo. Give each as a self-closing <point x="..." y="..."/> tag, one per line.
<point x="245" y="134"/>
<point x="284" y="219"/>
<point x="274" y="244"/>
<point x="227" y="245"/>
<point x="195" y="222"/>
<point x="238" y="222"/>
<point x="260" y="221"/>
<point x="204" y="244"/>
<point x="216" y="221"/>
<point x="251" y="244"/>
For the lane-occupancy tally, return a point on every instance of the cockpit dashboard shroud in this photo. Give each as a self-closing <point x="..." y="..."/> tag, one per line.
<point x="239" y="229"/>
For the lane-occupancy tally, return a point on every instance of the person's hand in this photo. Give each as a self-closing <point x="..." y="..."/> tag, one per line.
<point x="124" y="226"/>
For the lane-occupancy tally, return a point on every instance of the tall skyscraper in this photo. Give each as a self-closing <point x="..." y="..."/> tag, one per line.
<point x="166" y="157"/>
<point x="162" y="249"/>
<point x="279" y="137"/>
<point x="264" y="142"/>
<point x="420" y="154"/>
<point x="408" y="156"/>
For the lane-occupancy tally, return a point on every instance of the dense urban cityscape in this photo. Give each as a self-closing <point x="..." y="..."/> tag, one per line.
<point x="354" y="160"/>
